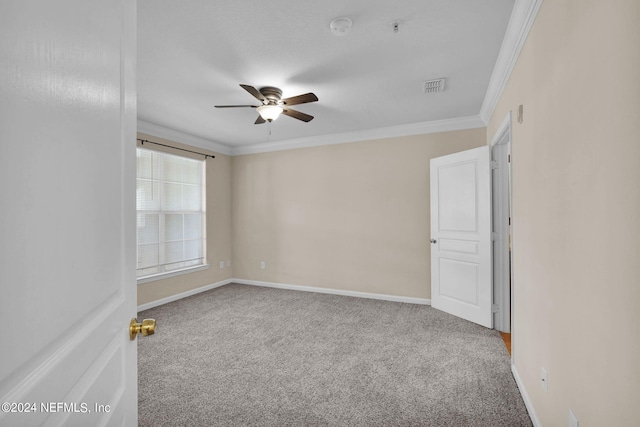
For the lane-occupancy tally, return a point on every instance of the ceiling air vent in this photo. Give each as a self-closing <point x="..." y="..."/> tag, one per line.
<point x="431" y="86"/>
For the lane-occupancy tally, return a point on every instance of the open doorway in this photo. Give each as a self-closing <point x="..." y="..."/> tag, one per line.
<point x="501" y="226"/>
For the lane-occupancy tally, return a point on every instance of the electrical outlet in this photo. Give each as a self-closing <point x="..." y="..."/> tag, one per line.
<point x="221" y="264"/>
<point x="263" y="265"/>
<point x="573" y="421"/>
<point x="544" y="380"/>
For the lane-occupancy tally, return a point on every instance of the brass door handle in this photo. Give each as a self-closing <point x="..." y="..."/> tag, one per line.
<point x="147" y="327"/>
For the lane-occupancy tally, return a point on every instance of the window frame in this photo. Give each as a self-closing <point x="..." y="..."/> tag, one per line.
<point x="162" y="214"/>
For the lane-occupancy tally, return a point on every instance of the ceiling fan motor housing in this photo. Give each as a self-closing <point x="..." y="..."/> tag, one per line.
<point x="273" y="94"/>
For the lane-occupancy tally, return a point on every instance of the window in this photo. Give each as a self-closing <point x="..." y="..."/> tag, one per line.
<point x="170" y="199"/>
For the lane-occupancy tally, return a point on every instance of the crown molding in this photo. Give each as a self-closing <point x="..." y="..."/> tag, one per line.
<point x="182" y="137"/>
<point x="461" y="123"/>
<point x="446" y="125"/>
<point x="522" y="17"/>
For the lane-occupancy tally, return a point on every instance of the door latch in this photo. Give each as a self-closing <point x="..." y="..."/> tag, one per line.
<point x="147" y="327"/>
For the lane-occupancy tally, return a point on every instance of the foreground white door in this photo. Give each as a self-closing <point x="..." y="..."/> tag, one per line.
<point x="461" y="282"/>
<point x="67" y="227"/>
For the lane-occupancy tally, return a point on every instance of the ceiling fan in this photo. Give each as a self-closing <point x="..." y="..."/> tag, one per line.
<point x="273" y="105"/>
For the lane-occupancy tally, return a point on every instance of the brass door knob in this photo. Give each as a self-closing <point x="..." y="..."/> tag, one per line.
<point x="147" y="327"/>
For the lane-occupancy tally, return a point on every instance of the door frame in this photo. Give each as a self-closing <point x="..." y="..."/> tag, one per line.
<point x="502" y="225"/>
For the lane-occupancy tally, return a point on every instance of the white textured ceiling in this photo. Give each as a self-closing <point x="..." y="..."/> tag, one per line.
<point x="192" y="54"/>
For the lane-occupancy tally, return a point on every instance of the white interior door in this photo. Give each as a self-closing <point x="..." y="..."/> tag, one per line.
<point x="67" y="222"/>
<point x="461" y="282"/>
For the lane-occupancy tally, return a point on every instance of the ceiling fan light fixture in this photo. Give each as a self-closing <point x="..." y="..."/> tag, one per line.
<point x="269" y="112"/>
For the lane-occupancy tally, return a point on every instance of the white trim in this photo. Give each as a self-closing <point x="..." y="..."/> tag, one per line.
<point x="182" y="295"/>
<point x="501" y="210"/>
<point x="174" y="273"/>
<point x="446" y="125"/>
<point x="410" y="300"/>
<point x="525" y="397"/>
<point x="522" y="16"/>
<point x="182" y="137"/>
<point x="505" y="126"/>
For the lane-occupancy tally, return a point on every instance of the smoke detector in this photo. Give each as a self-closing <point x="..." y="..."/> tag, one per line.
<point x="431" y="86"/>
<point x="340" y="26"/>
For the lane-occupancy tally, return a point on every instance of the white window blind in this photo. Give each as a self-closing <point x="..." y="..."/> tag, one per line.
<point x="170" y="199"/>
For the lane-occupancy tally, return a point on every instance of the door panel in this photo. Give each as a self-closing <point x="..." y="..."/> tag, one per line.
<point x="67" y="182"/>
<point x="461" y="282"/>
<point x="457" y="200"/>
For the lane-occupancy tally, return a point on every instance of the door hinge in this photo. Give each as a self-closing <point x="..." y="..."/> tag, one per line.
<point x="495" y="308"/>
<point x="494" y="164"/>
<point x="509" y="158"/>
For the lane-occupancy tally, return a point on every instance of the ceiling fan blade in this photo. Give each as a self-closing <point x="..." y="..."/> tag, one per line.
<point x="259" y="120"/>
<point x="297" y="115"/>
<point x="300" y="99"/>
<point x="253" y="91"/>
<point x="236" y="106"/>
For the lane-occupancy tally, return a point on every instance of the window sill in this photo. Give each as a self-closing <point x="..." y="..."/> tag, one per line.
<point x="174" y="273"/>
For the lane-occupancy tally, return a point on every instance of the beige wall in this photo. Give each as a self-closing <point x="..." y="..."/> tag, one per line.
<point x="350" y="216"/>
<point x="576" y="202"/>
<point x="218" y="228"/>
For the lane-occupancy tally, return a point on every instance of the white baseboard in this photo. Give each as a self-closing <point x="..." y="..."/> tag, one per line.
<point x="410" y="300"/>
<point x="384" y="297"/>
<point x="525" y="397"/>
<point x="182" y="295"/>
